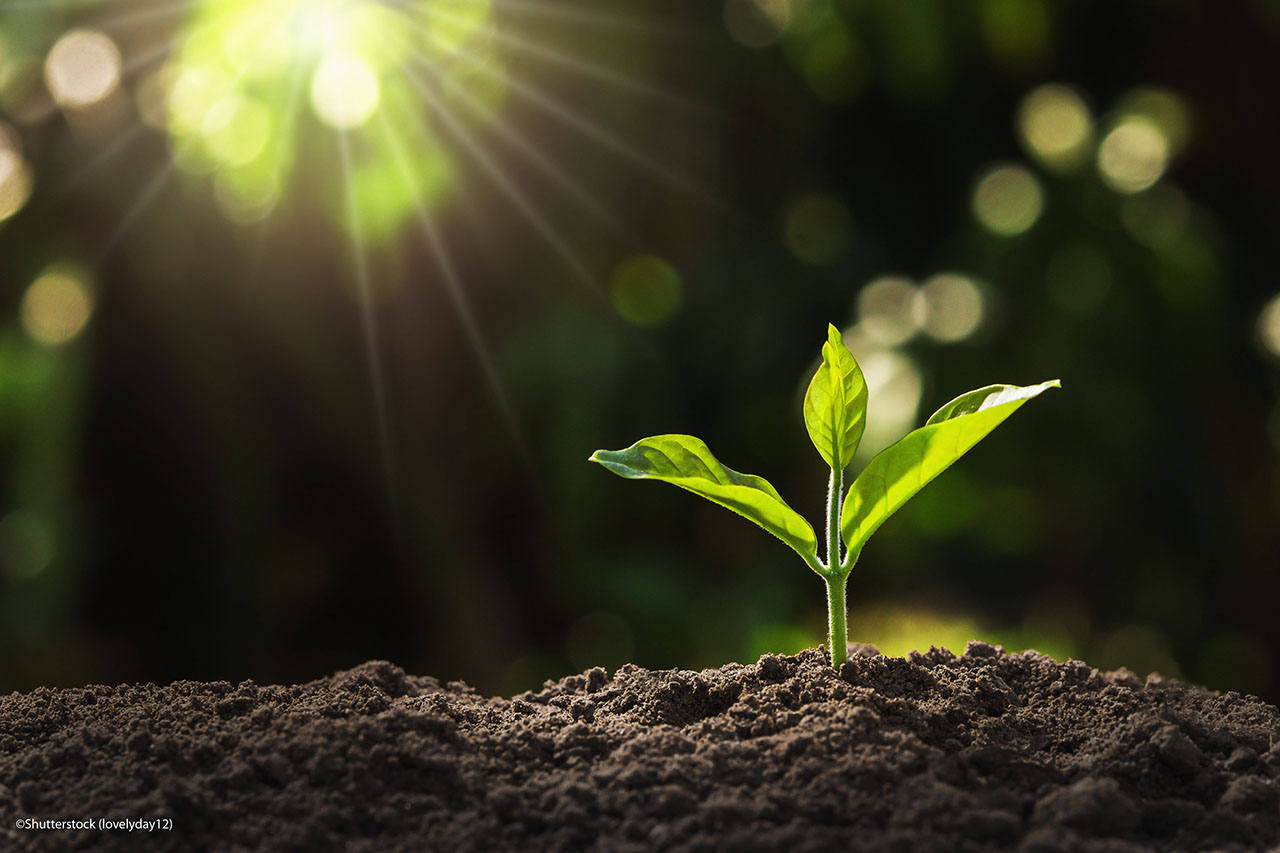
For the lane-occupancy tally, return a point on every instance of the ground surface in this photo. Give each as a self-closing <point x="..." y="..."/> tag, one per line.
<point x="981" y="752"/>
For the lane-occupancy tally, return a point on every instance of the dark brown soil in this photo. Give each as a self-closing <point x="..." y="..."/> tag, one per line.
<point x="988" y="751"/>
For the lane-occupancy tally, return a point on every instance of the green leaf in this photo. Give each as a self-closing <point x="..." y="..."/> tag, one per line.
<point x="835" y="406"/>
<point x="904" y="468"/>
<point x="685" y="461"/>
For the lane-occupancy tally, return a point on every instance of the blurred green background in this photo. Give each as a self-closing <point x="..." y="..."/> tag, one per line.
<point x="314" y="311"/>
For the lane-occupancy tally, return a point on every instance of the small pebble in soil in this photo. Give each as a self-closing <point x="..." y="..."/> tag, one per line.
<point x="1176" y="750"/>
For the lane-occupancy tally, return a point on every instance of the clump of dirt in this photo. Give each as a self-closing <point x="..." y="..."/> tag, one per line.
<point x="986" y="751"/>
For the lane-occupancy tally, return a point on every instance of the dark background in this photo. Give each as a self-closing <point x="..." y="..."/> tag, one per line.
<point x="200" y="486"/>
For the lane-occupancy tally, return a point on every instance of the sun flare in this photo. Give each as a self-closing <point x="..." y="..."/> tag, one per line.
<point x="251" y="87"/>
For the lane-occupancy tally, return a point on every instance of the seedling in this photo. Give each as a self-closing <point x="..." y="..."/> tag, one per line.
<point x="835" y="414"/>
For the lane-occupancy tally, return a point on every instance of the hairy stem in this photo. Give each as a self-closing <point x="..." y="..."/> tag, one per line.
<point x="837" y="627"/>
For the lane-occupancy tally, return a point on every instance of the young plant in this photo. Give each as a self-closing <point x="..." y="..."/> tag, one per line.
<point x="835" y="414"/>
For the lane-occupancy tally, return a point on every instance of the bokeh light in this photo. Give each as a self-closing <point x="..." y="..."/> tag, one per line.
<point x="83" y="68"/>
<point x="1008" y="200"/>
<point x="15" y="175"/>
<point x="817" y="229"/>
<point x="827" y="50"/>
<point x="1269" y="326"/>
<point x="244" y="198"/>
<point x="1134" y="155"/>
<point x="950" y="307"/>
<point x="897" y="628"/>
<point x="895" y="386"/>
<point x="834" y="68"/>
<point x="344" y="92"/>
<point x="1017" y="32"/>
<point x="27" y="544"/>
<point x="1056" y="127"/>
<point x="236" y="130"/>
<point x="56" y="307"/>
<point x="887" y="312"/>
<point x="1166" y="109"/>
<point x="646" y="291"/>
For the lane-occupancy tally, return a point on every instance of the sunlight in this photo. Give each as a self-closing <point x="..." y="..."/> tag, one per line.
<point x="344" y="92"/>
<point x="453" y="285"/>
<point x="237" y="130"/>
<point x="594" y="71"/>
<point x="501" y="179"/>
<point x="365" y="107"/>
<point x="240" y="88"/>
<point x="369" y="328"/>
<point x="233" y="112"/>
<point x="478" y="61"/>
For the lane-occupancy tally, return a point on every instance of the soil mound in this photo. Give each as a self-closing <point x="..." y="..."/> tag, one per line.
<point x="986" y="751"/>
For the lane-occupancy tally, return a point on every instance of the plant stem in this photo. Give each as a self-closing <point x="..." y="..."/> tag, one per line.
<point x="837" y="627"/>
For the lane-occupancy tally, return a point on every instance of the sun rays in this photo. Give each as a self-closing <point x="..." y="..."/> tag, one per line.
<point x="383" y="110"/>
<point x="352" y="52"/>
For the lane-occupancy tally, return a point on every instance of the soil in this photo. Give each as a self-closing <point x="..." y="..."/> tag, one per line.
<point x="986" y="751"/>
